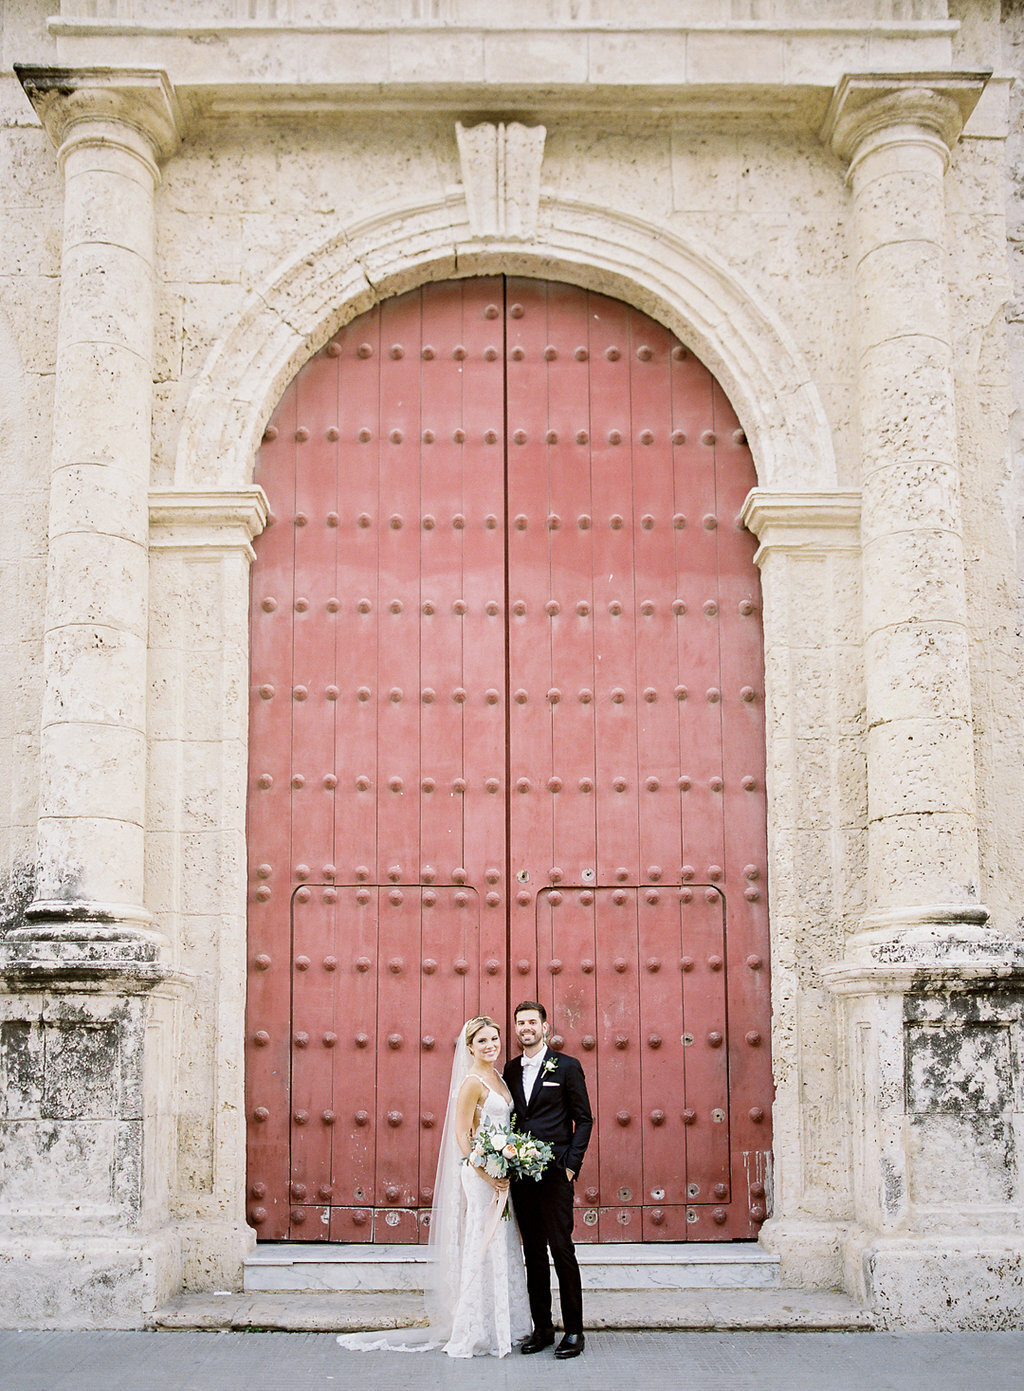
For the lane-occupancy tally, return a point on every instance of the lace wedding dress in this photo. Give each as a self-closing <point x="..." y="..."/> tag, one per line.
<point x="476" y="1298"/>
<point x="492" y="1310"/>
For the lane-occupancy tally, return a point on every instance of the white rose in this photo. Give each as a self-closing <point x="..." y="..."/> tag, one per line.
<point x="499" y="1139"/>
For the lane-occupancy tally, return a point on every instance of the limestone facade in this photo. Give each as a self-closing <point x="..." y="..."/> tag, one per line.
<point x="823" y="201"/>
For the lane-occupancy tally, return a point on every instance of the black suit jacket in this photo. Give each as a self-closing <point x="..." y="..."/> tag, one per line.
<point x="558" y="1111"/>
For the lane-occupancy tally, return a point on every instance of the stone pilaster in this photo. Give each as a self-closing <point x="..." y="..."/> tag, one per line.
<point x="111" y="129"/>
<point x="201" y="549"/>
<point x="809" y="557"/>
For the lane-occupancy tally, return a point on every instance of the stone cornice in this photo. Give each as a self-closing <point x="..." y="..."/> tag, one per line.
<point x="811" y="522"/>
<point x="199" y="19"/>
<point x="694" y="71"/>
<point x="865" y="103"/>
<point x="691" y="60"/>
<point x="70" y="101"/>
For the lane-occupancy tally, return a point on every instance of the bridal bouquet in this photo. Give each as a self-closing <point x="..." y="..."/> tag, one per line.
<point x="508" y="1153"/>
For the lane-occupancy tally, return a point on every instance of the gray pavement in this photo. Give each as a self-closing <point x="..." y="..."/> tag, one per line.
<point x="614" y="1361"/>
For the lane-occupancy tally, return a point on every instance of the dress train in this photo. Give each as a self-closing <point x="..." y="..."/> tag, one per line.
<point x="484" y="1286"/>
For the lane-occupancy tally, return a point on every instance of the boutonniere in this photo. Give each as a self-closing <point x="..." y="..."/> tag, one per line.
<point x="550" y="1066"/>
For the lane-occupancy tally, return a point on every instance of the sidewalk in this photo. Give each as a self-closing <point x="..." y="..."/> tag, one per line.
<point x="195" y="1361"/>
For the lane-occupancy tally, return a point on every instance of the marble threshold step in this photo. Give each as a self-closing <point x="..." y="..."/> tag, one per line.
<point x="308" y="1266"/>
<point x="706" y="1310"/>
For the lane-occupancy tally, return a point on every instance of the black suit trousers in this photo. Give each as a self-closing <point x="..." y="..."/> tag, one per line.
<point x="544" y="1212"/>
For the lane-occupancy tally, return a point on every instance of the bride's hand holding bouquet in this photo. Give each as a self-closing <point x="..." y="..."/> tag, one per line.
<point x="508" y="1154"/>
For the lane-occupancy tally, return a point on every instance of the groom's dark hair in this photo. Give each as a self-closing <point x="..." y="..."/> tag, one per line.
<point x="530" y="1004"/>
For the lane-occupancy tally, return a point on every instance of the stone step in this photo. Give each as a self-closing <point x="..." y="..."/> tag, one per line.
<point x="372" y="1269"/>
<point x="721" y="1310"/>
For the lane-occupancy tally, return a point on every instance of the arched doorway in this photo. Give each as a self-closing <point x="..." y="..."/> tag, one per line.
<point x="506" y="740"/>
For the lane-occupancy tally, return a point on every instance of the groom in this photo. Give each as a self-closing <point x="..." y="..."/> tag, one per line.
<point x="549" y="1094"/>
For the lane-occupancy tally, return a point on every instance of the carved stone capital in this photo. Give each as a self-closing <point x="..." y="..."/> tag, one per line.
<point x="501" y="175"/>
<point x="206" y="518"/>
<point x="72" y="102"/>
<point x="864" y="104"/>
<point x="804" y="522"/>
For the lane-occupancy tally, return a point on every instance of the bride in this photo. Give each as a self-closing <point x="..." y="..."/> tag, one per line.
<point x="477" y="1301"/>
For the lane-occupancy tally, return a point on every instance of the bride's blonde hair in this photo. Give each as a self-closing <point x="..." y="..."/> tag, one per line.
<point x="473" y="1027"/>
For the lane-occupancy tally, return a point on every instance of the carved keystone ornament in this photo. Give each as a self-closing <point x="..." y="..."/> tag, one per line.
<point x="501" y="175"/>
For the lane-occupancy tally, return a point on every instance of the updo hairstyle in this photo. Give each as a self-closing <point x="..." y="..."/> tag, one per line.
<point x="473" y="1027"/>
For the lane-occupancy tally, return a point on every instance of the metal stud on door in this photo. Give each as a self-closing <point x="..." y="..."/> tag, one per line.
<point x="506" y="739"/>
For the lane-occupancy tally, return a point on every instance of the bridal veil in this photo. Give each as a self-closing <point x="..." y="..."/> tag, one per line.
<point x="444" y="1242"/>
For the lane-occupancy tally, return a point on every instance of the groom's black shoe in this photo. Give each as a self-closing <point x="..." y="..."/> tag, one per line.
<point x="538" y="1340"/>
<point x="571" y="1345"/>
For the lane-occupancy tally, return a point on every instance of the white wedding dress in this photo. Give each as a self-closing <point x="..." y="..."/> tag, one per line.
<point x="492" y="1310"/>
<point x="476" y="1300"/>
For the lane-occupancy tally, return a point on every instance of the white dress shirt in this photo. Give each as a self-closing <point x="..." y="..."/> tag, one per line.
<point x="531" y="1071"/>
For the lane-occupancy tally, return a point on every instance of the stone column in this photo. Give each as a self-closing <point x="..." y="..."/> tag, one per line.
<point x="87" y="1006"/>
<point x="922" y="838"/>
<point x="111" y="128"/>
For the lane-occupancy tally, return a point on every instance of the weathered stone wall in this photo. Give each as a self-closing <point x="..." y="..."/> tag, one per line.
<point x="683" y="169"/>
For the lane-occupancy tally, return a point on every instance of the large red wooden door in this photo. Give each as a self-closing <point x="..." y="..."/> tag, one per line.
<point x="506" y="740"/>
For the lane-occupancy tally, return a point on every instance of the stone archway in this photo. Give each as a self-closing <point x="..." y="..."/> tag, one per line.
<point x="203" y="526"/>
<point x="686" y="288"/>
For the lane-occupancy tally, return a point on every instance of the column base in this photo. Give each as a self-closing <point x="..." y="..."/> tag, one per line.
<point x="83" y="946"/>
<point x="810" y="1253"/>
<point x="115" y="1280"/>
<point x="962" y="1282"/>
<point x="79" y="919"/>
<point x="88" y="1132"/>
<point x="933" y="1080"/>
<point x="924" y="950"/>
<point x="213" y="1253"/>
